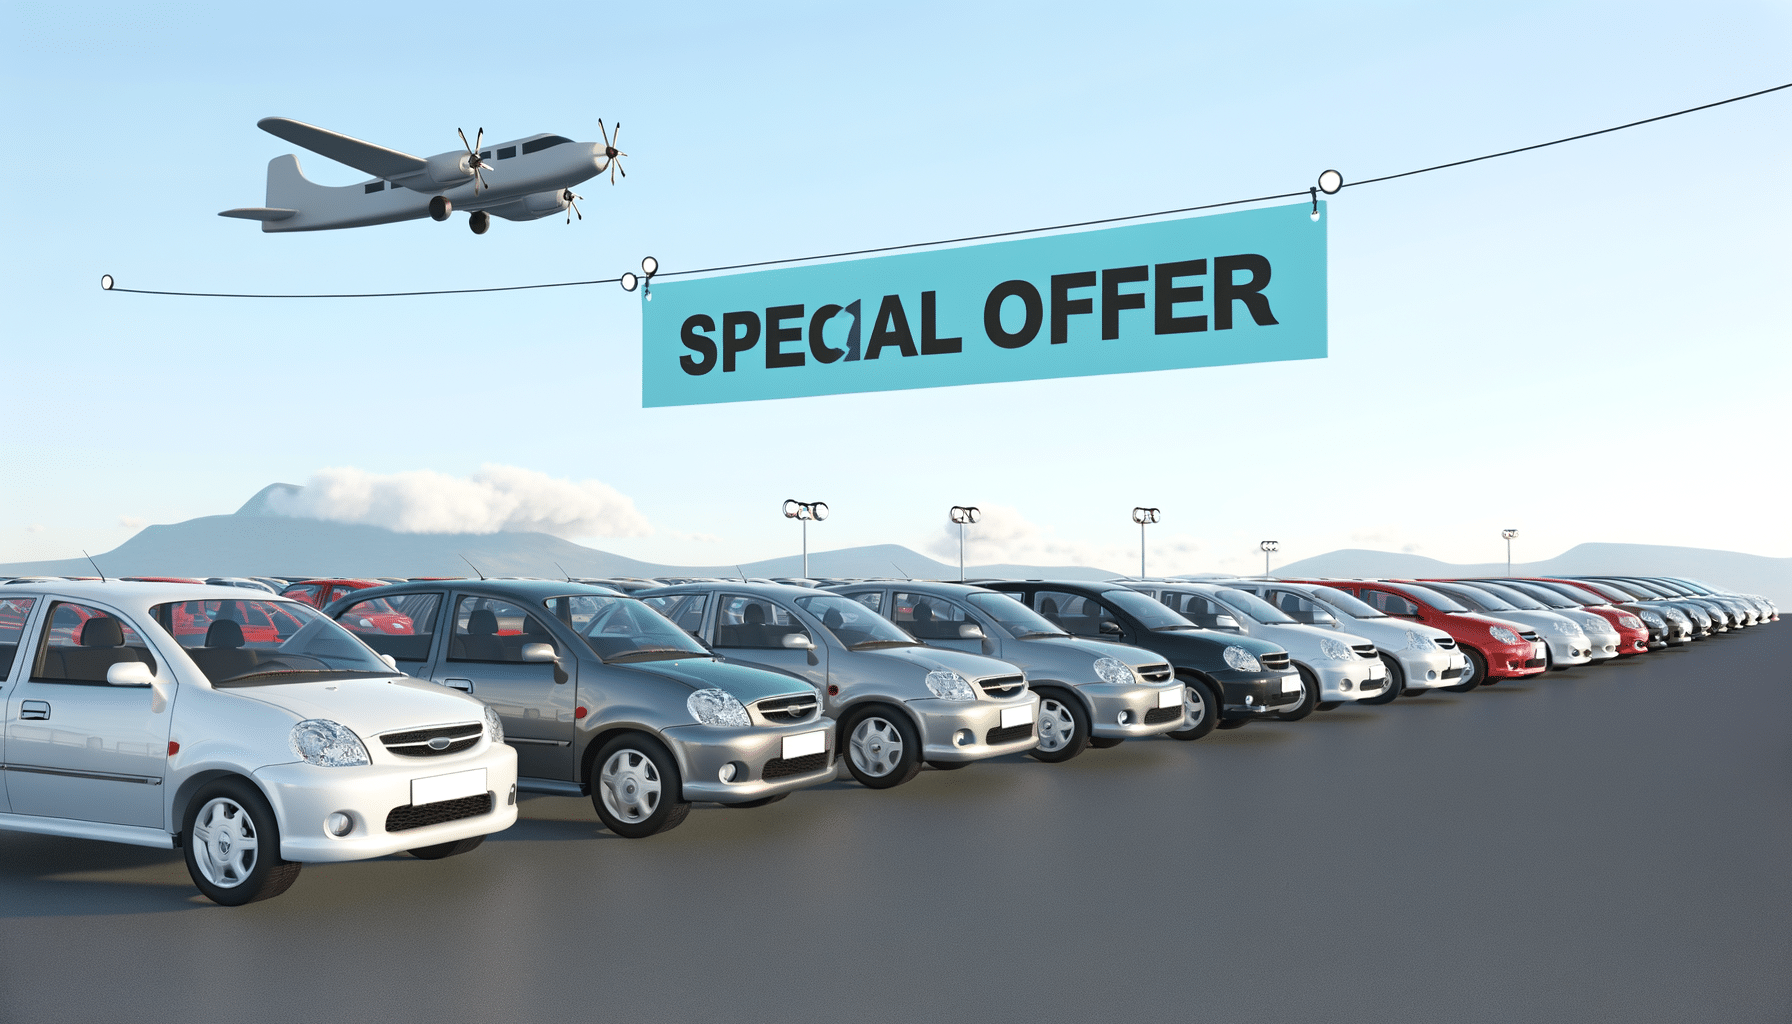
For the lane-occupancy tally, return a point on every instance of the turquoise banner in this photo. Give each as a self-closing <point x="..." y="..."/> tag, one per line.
<point x="1245" y="287"/>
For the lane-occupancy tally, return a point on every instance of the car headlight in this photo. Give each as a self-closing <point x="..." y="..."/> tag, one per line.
<point x="1569" y="628"/>
<point x="494" y="726"/>
<point x="327" y="744"/>
<point x="948" y="685"/>
<point x="1113" y="670"/>
<point x="1415" y="642"/>
<point x="1502" y="634"/>
<point x="1244" y="661"/>
<point x="717" y="707"/>
<point x="1336" y="650"/>
<point x="1652" y="619"/>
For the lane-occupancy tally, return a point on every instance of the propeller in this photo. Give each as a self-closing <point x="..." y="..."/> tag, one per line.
<point x="572" y="205"/>
<point x="475" y="162"/>
<point x="610" y="150"/>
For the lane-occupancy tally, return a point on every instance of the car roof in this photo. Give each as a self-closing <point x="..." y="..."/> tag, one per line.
<point x="526" y="589"/>
<point x="936" y="586"/>
<point x="735" y="586"/>
<point x="137" y="594"/>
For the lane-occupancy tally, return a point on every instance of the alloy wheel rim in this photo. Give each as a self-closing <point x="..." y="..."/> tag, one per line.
<point x="876" y="747"/>
<point x="1056" y="726"/>
<point x="631" y="785"/>
<point x="1194" y="708"/>
<point x="225" y="843"/>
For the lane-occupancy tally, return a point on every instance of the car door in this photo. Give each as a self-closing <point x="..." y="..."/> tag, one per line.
<point x="1389" y="603"/>
<point x="15" y="615"/>
<point x="404" y="626"/>
<point x="76" y="746"/>
<point x="535" y="699"/>
<point x="935" y="621"/>
<point x="750" y="629"/>
<point x="1077" y="614"/>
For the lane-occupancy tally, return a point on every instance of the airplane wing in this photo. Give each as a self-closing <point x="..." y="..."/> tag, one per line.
<point x="362" y="156"/>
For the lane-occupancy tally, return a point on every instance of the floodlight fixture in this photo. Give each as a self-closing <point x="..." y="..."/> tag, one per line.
<point x="1144" y="517"/>
<point x="1268" y="547"/>
<point x="963" y="515"/>
<point x="1509" y="535"/>
<point x="804" y="511"/>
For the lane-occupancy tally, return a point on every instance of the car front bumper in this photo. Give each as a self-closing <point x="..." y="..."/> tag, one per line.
<point x="1567" y="651"/>
<point x="1427" y="670"/>
<point x="1253" y="696"/>
<point x="703" y="751"/>
<point x="1130" y="712"/>
<point x="972" y="730"/>
<point x="1349" y="680"/>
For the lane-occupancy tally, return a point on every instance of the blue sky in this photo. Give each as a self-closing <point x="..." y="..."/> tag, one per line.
<point x="1587" y="343"/>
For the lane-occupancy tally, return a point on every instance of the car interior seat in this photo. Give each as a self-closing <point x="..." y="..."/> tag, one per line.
<point x="101" y="641"/>
<point x="480" y="642"/>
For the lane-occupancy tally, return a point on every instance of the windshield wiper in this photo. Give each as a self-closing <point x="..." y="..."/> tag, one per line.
<point x="1167" y="629"/>
<point x="865" y="645"/>
<point x="1031" y="633"/>
<point x="654" y="653"/>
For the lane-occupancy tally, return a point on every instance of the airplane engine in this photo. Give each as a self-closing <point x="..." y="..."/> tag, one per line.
<point x="449" y="169"/>
<point x="541" y="204"/>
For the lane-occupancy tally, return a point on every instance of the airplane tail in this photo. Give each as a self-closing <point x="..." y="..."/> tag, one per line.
<point x="288" y="186"/>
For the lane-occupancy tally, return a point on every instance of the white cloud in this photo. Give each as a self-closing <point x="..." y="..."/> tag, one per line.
<point x="496" y="499"/>
<point x="132" y="522"/>
<point x="1005" y="536"/>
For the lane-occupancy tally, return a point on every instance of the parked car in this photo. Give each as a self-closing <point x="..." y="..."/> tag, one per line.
<point x="1091" y="692"/>
<point x="1496" y="648"/>
<point x="1698" y="616"/>
<point x="604" y="697"/>
<point x="1566" y="643"/>
<point x="251" y="756"/>
<point x="1633" y="633"/>
<point x="1668" y="626"/>
<point x="1228" y="679"/>
<point x="241" y="581"/>
<point x="1335" y="668"/>
<point x="1418" y="657"/>
<point x="898" y="702"/>
<point x="323" y="593"/>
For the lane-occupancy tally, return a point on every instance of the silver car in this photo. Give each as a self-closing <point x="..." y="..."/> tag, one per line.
<point x="1091" y="693"/>
<point x="1418" y="657"/>
<point x="1571" y="637"/>
<point x="601" y="695"/>
<point x="898" y="702"/>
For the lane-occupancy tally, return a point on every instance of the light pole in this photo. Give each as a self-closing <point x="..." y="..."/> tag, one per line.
<point x="963" y="515"/>
<point x="1268" y="547"/>
<point x="1508" y="534"/>
<point x="805" y="511"/>
<point x="1144" y="517"/>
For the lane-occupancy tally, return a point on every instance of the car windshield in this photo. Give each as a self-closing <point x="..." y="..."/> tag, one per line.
<point x="1484" y="598"/>
<point x="1013" y="616"/>
<point x="1581" y="595"/>
<point x="624" y="629"/>
<point x="257" y="642"/>
<point x="1153" y="615"/>
<point x="1538" y="598"/>
<point x="1342" y="601"/>
<point x="1254" y="606"/>
<point x="1433" y="598"/>
<point x="853" y="624"/>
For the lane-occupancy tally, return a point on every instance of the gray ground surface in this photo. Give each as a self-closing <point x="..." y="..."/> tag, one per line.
<point x="1601" y="845"/>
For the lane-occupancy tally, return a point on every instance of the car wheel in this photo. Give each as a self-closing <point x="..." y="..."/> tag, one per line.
<point x="1549" y="659"/>
<point x="1104" y="742"/>
<point x="1063" y="727"/>
<point x="636" y="788"/>
<point x="1472" y="673"/>
<point x="1200" y="709"/>
<point x="948" y="766"/>
<point x="761" y="802"/>
<point x="883" y="749"/>
<point x="1396" y="683"/>
<point x="232" y="845"/>
<point x="454" y="849"/>
<point x="1309" y="697"/>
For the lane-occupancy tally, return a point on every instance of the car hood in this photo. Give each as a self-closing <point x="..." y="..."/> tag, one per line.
<point x="369" y="706"/>
<point x="933" y="659"/>
<point x="1210" y="640"/>
<point x="1488" y="621"/>
<point x="746" y="683"/>
<point x="1060" y="645"/>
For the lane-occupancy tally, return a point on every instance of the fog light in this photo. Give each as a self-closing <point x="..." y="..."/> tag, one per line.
<point x="1124" y="718"/>
<point x="1346" y="686"/>
<point x="963" y="737"/>
<point x="1431" y="674"/>
<point x="339" y="824"/>
<point x="512" y="802"/>
<point x="1248" y="699"/>
<point x="727" y="772"/>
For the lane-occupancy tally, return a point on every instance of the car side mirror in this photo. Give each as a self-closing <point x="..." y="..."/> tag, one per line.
<point x="391" y="662"/>
<point x="797" y="642"/>
<point x="130" y="673"/>
<point x="539" y="652"/>
<point x="970" y="631"/>
<point x="1110" y="628"/>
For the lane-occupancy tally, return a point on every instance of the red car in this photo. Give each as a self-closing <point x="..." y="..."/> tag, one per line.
<point x="1633" y="633"/>
<point x="1491" y="656"/>
<point x="319" y="593"/>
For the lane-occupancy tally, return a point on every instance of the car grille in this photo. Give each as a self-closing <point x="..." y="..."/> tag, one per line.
<point x="1155" y="673"/>
<point x="434" y="742"/>
<point x="1372" y="684"/>
<point x="1157" y="716"/>
<point x="403" y="819"/>
<point x="780" y="767"/>
<point x="1277" y="662"/>
<point x="1364" y="650"/>
<point x="1531" y="635"/>
<point x="1010" y="734"/>
<point x="789" y="710"/>
<point x="1534" y="663"/>
<point x="1003" y="686"/>
<point x="1445" y="642"/>
<point x="1452" y="673"/>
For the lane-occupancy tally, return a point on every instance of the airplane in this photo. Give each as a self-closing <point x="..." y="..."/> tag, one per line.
<point x="531" y="178"/>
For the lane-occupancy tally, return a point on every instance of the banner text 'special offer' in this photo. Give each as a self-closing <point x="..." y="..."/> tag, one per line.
<point x="1245" y="287"/>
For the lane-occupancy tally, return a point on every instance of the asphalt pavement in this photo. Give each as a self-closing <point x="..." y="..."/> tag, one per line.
<point x="1604" y="844"/>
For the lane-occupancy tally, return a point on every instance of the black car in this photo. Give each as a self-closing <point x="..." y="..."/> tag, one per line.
<point x="1240" y="677"/>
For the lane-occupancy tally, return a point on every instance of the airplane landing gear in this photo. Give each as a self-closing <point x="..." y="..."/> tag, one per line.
<point x="440" y="208"/>
<point x="480" y="222"/>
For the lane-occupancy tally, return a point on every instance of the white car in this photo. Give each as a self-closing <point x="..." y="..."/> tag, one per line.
<point x="1418" y="657"/>
<point x="246" y="729"/>
<point x="1564" y="636"/>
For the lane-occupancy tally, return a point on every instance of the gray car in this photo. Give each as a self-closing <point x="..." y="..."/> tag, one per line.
<point x="898" y="702"/>
<point x="1091" y="693"/>
<point x="601" y="695"/>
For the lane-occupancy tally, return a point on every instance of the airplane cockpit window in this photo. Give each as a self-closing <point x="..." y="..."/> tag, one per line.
<point x="544" y="143"/>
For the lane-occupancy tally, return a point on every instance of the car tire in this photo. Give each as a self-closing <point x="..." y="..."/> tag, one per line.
<point x="1199" y="707"/>
<point x="949" y="766"/>
<point x="867" y="738"/>
<point x="1104" y="742"/>
<point x="453" y="849"/>
<point x="1549" y="661"/>
<point x="1309" y="697"/>
<point x="761" y="802"/>
<point x="1395" y="687"/>
<point x="1063" y="722"/>
<point x="1328" y="705"/>
<point x="231" y="844"/>
<point x="636" y="788"/>
<point x="1472" y="673"/>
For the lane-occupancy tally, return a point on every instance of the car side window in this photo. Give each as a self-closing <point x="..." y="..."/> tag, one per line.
<point x="494" y="630"/>
<point x="753" y="622"/>
<point x="686" y="610"/>
<point x="306" y="592"/>
<point x="13" y="613"/>
<point x="1301" y="609"/>
<point x="872" y="599"/>
<point x="926" y="617"/>
<point x="1390" y="604"/>
<point x="1073" y="613"/>
<point x="81" y="643"/>
<point x="402" y="626"/>
<point x="1200" y="611"/>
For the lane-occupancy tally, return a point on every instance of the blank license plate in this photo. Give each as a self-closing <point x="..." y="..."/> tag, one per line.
<point x="804" y="744"/>
<point x="1012" y="717"/>
<point x="438" y="788"/>
<point x="1291" y="684"/>
<point x="1169" y="698"/>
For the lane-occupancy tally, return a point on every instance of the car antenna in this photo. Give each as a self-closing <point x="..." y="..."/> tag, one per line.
<point x="96" y="565"/>
<point x="905" y="575"/>
<point x="469" y="561"/>
<point x="563" y="572"/>
<point x="742" y="572"/>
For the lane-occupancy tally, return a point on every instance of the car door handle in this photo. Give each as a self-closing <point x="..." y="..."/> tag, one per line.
<point x="463" y="685"/>
<point x="38" y="710"/>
